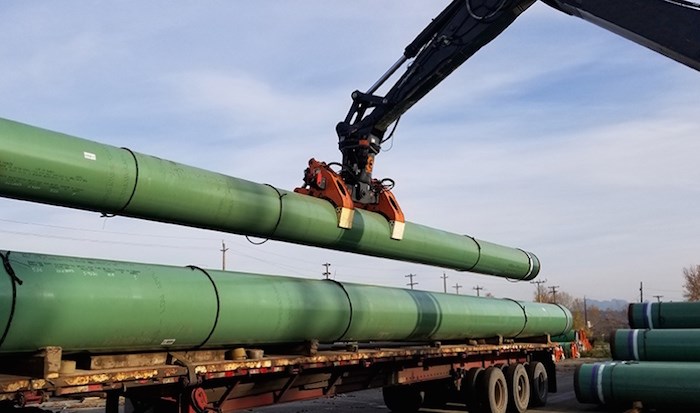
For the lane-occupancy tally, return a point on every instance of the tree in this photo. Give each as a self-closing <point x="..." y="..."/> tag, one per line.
<point x="692" y="283"/>
<point x="602" y="321"/>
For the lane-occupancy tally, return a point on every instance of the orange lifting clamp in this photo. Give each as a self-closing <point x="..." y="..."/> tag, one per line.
<point x="388" y="207"/>
<point x="321" y="181"/>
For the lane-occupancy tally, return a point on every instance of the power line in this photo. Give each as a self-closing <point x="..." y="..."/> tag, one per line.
<point x="137" y="244"/>
<point x="162" y="246"/>
<point x="159" y="246"/>
<point x="102" y="231"/>
<point x="411" y="283"/>
<point x="141" y="244"/>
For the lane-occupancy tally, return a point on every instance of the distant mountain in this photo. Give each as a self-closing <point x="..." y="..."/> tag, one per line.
<point x="613" y="304"/>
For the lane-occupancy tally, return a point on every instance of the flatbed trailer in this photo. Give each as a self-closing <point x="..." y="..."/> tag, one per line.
<point x="485" y="374"/>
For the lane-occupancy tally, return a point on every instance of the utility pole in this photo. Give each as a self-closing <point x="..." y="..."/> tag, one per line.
<point x="658" y="298"/>
<point x="444" y="282"/>
<point x="539" y="289"/>
<point x="326" y="273"/>
<point x="641" y="292"/>
<point x="585" y="312"/>
<point x="477" y="288"/>
<point x="411" y="283"/>
<point x="554" y="293"/>
<point x="457" y="287"/>
<point x="223" y="255"/>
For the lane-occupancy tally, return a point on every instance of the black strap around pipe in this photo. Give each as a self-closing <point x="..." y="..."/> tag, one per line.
<point x="15" y="282"/>
<point x="218" y="302"/>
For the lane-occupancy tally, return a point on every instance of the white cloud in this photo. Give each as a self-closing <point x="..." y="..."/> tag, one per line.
<point x="558" y="137"/>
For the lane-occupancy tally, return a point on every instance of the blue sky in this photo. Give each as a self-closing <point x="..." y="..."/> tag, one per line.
<point x="558" y="137"/>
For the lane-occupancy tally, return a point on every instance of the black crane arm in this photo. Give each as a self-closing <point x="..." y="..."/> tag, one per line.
<point x="669" y="27"/>
<point x="458" y="32"/>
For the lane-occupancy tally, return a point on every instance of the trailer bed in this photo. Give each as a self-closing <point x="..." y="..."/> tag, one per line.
<point x="213" y="378"/>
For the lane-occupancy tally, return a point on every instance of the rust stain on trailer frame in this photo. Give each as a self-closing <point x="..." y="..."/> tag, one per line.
<point x="105" y="379"/>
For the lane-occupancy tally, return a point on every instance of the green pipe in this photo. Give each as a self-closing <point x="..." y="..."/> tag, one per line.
<point x="82" y="304"/>
<point x="654" y="383"/>
<point x="664" y="315"/>
<point x="656" y="345"/>
<point x="382" y="313"/>
<point x="565" y="338"/>
<point x="48" y="167"/>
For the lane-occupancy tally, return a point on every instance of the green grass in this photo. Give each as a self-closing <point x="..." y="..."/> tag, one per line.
<point x="601" y="350"/>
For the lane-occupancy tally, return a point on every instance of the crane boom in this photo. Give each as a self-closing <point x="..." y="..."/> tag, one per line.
<point x="458" y="32"/>
<point x="670" y="27"/>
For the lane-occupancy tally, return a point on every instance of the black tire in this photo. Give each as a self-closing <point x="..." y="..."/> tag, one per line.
<point x="518" y="388"/>
<point x="539" y="385"/>
<point x="436" y="394"/>
<point x="470" y="389"/>
<point x="494" y="390"/>
<point x="402" y="398"/>
<point x="136" y="405"/>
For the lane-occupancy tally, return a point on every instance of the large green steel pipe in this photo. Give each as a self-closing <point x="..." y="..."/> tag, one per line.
<point x="656" y="345"/>
<point x="381" y="313"/>
<point x="95" y="305"/>
<point x="664" y="315"/>
<point x="654" y="383"/>
<point x="48" y="167"/>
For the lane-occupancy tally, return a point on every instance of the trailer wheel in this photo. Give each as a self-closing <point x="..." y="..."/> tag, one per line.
<point x="495" y="391"/>
<point x="436" y="394"/>
<point x="402" y="398"/>
<point x="470" y="389"/>
<point x="539" y="386"/>
<point x="518" y="388"/>
<point x="139" y="406"/>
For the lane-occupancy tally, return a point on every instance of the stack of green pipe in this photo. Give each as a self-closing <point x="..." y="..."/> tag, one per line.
<point x="665" y="343"/>
<point x="664" y="315"/>
<point x="48" y="167"/>
<point x="656" y="345"/>
<point x="95" y="305"/>
<point x="654" y="383"/>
